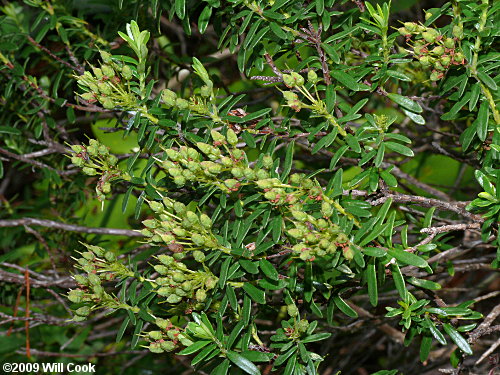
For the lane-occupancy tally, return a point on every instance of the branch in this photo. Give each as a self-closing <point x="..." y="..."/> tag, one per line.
<point x="68" y="227"/>
<point x="428" y="202"/>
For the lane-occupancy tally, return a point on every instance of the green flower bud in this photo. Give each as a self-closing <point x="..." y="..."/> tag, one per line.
<point x="430" y="35"/>
<point x="88" y="255"/>
<point x="155" y="335"/>
<point x="97" y="72"/>
<point x="249" y="173"/>
<point x="326" y="209"/>
<point x="174" y="298"/>
<point x="169" y="97"/>
<point x="261" y="174"/>
<point x="193" y="154"/>
<point x="232" y="138"/>
<point x="164" y="291"/>
<point x="445" y="60"/>
<point x="197" y="239"/>
<point x="435" y="76"/>
<point x="181" y="103"/>
<point x="112" y="159"/>
<point x="302" y="326"/>
<point x="83" y="311"/>
<point x="288" y="80"/>
<point x="238" y="154"/>
<point x="87" y="96"/>
<point x="201" y="295"/>
<point x="292" y="310"/>
<point x="237" y="172"/>
<point x="299" y="80"/>
<point x="231" y="183"/>
<point x="178" y="277"/>
<point x="127" y="73"/>
<point x="438" y="66"/>
<point x="164" y="324"/>
<point x="187" y="286"/>
<point x="205" y="91"/>
<point x="98" y="290"/>
<point x="155" y="347"/>
<point x="227" y="162"/>
<point x="267" y="161"/>
<point x="156" y="207"/>
<point x="458" y="31"/>
<point x="428" y="15"/>
<point x="109" y="256"/>
<point x="312" y="77"/>
<point x="296" y="233"/>
<point x="300" y="216"/>
<point x="161" y="269"/>
<point x="403" y="31"/>
<point x="108" y="71"/>
<point x="106" y="187"/>
<point x="107" y="103"/>
<point x="205" y="221"/>
<point x="167" y="346"/>
<point x="211" y="282"/>
<point x="89" y="171"/>
<point x="290" y="95"/>
<point x="76" y="296"/>
<point x="80" y="279"/>
<point x="459" y="57"/>
<point x="425" y="60"/>
<point x="198" y="256"/>
<point x="410" y="26"/>
<point x="268" y="183"/>
<point x="179" y="181"/>
<point x="217" y="137"/>
<point x="106" y="57"/>
<point x="438" y="50"/>
<point x="311" y="238"/>
<point x="449" y="43"/>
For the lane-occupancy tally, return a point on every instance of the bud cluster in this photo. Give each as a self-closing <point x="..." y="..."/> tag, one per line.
<point x="180" y="229"/>
<point x="226" y="168"/>
<point x="109" y="84"/>
<point x="100" y="266"/>
<point x="168" y="338"/>
<point x="177" y="283"/>
<point x="201" y="104"/>
<point x="434" y="50"/>
<point x="95" y="159"/>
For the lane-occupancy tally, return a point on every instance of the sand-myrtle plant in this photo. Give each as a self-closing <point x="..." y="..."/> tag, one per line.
<point x="299" y="214"/>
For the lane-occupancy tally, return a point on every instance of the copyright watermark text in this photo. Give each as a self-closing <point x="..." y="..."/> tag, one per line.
<point x="55" y="367"/>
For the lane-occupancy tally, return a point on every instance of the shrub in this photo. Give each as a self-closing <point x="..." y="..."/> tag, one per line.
<point x="268" y="226"/>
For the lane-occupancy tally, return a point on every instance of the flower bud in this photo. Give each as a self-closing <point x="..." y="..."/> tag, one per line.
<point x="299" y="215"/>
<point x="155" y="347"/>
<point x="231" y="183"/>
<point x="217" y="137"/>
<point x="211" y="282"/>
<point x="267" y="161"/>
<point x="227" y="162"/>
<point x="288" y="80"/>
<point x="174" y="298"/>
<point x="169" y="97"/>
<point x="434" y="76"/>
<point x="201" y="295"/>
<point x="197" y="239"/>
<point x="87" y="96"/>
<point x="181" y="103"/>
<point x="296" y="233"/>
<point x="198" y="256"/>
<point x="205" y="91"/>
<point x="205" y="221"/>
<point x="161" y="269"/>
<point x="80" y="279"/>
<point x="106" y="187"/>
<point x="289" y="95"/>
<point x="299" y="80"/>
<point x="155" y="335"/>
<point x="127" y="73"/>
<point x="83" y="311"/>
<point x="232" y="138"/>
<point x="312" y="77"/>
<point x="97" y="72"/>
<point x="302" y="326"/>
<point x="77" y="161"/>
<point x="107" y="103"/>
<point x="410" y="26"/>
<point x="292" y="310"/>
<point x="164" y="291"/>
<point x="430" y="35"/>
<point x="105" y="56"/>
<point x="89" y="171"/>
<point x="76" y="296"/>
<point x="167" y="346"/>
<point x="237" y="172"/>
<point x="403" y="31"/>
<point x="449" y="43"/>
<point x="459" y="57"/>
<point x="445" y="60"/>
<point x="178" y="277"/>
<point x="425" y="60"/>
<point x="428" y="15"/>
<point x="326" y="209"/>
<point x="109" y="256"/>
<point x="438" y="50"/>
<point x="458" y="31"/>
<point x="108" y="71"/>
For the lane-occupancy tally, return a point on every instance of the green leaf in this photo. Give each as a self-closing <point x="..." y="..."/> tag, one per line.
<point x="235" y="333"/>
<point x="222" y="368"/>
<point x="258" y="295"/>
<point x="398" y="75"/>
<point x="338" y="154"/>
<point x="320" y="6"/>
<point x="243" y="363"/>
<point x="223" y="272"/>
<point x="198" y="345"/>
<point x="405" y="102"/>
<point x="434" y="331"/>
<point x="180" y="8"/>
<point x="344" y="307"/>
<point x="268" y="269"/>
<point x="426" y="284"/>
<point x="399" y="281"/>
<point x="482" y="121"/>
<point x="414" y="117"/>
<point x="399" y="148"/>
<point x="380" y="156"/>
<point x="457" y="338"/>
<point x="9" y="130"/>
<point x="316" y="337"/>
<point x="204" y="18"/>
<point x="325" y="141"/>
<point x="276" y="29"/>
<point x="407" y="258"/>
<point x="348" y="81"/>
<point x="203" y="354"/>
<point x="425" y="347"/>
<point x="371" y="278"/>
<point x="287" y="166"/>
<point x="487" y="80"/>
<point x="122" y="329"/>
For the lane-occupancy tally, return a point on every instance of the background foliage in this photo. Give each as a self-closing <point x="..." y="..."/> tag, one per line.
<point x="255" y="187"/>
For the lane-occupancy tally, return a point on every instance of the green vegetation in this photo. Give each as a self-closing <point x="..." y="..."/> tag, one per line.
<point x="289" y="187"/>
